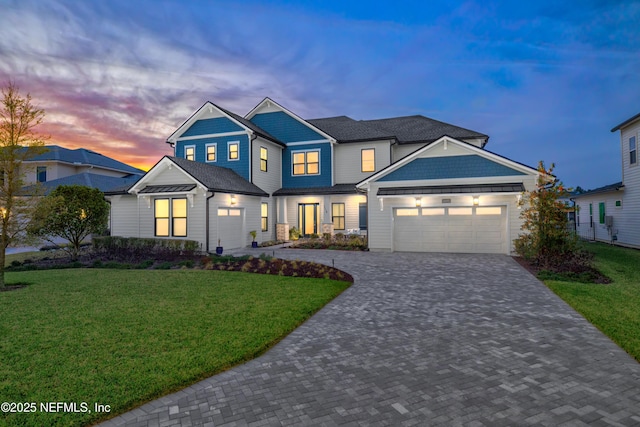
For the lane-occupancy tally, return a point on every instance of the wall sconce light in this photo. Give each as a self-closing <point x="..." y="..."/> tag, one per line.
<point x="418" y="202"/>
<point x="476" y="200"/>
<point x="233" y="200"/>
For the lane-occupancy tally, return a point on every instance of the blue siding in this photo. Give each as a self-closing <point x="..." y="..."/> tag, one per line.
<point x="301" y="181"/>
<point x="241" y="166"/>
<point x="285" y="128"/>
<point x="212" y="126"/>
<point x="472" y="166"/>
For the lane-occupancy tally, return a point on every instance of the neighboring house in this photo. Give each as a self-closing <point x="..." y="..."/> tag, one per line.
<point x="63" y="166"/>
<point x="612" y="213"/>
<point x="409" y="183"/>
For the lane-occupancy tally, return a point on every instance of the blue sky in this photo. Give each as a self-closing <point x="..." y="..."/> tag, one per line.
<point x="546" y="80"/>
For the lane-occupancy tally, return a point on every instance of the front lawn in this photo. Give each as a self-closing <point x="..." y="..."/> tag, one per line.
<point x="613" y="308"/>
<point x="121" y="338"/>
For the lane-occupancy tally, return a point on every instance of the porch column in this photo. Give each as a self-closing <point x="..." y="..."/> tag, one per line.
<point x="325" y="216"/>
<point x="282" y="223"/>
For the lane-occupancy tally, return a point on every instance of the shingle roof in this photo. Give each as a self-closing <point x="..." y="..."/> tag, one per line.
<point x="218" y="179"/>
<point x="626" y="122"/>
<point x="417" y="128"/>
<point x="452" y="189"/>
<point x="345" y="129"/>
<point x="611" y="187"/>
<point x="336" y="189"/>
<point x="101" y="182"/>
<point x="258" y="130"/>
<point x="82" y="156"/>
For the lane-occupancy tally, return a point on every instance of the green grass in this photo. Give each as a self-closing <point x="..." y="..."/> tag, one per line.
<point x="121" y="338"/>
<point x="613" y="308"/>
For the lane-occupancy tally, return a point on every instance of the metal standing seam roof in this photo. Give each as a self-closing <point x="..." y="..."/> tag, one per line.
<point x="167" y="188"/>
<point x="452" y="189"/>
<point x="335" y="189"/>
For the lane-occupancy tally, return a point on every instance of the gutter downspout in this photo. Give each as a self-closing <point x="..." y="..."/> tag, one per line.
<point x="252" y="137"/>
<point x="206" y="225"/>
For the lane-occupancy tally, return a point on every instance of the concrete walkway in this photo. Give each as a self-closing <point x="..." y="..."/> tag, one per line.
<point x="422" y="339"/>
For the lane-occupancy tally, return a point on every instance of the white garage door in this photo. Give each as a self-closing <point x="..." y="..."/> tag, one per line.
<point x="480" y="229"/>
<point x="230" y="221"/>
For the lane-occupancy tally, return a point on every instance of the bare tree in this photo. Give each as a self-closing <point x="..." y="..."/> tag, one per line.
<point x="19" y="141"/>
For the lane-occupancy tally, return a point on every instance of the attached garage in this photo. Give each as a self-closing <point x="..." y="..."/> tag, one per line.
<point x="477" y="229"/>
<point x="230" y="227"/>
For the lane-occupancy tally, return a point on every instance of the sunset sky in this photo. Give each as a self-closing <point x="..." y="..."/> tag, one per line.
<point x="547" y="79"/>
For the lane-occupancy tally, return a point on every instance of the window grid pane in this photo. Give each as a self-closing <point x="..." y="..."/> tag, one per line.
<point x="211" y="153"/>
<point x="264" y="213"/>
<point x="233" y="151"/>
<point x="263" y="159"/>
<point x="190" y="153"/>
<point x="337" y="216"/>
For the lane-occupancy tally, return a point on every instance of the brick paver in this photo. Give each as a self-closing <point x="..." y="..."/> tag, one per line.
<point x="422" y="339"/>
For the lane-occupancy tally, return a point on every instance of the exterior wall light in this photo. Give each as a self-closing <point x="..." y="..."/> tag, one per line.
<point x="476" y="200"/>
<point x="418" y="202"/>
<point x="233" y="200"/>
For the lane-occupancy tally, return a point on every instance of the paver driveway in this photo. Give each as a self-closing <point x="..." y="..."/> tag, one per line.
<point x="422" y="339"/>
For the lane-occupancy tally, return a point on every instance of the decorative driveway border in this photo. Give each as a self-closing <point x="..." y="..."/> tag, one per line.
<point x="421" y="339"/>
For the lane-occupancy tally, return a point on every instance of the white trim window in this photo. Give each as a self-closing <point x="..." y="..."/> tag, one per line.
<point x="305" y="163"/>
<point x="190" y="152"/>
<point x="263" y="159"/>
<point x="337" y="216"/>
<point x="211" y="152"/>
<point x="264" y="216"/>
<point x="368" y="160"/>
<point x="233" y="150"/>
<point x="633" y="151"/>
<point x="170" y="217"/>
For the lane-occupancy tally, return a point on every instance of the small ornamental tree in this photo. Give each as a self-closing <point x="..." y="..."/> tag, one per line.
<point x="19" y="142"/>
<point x="72" y="212"/>
<point x="547" y="240"/>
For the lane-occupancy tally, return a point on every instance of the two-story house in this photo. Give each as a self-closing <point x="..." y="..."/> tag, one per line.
<point x="63" y="166"/>
<point x="410" y="183"/>
<point x="612" y="213"/>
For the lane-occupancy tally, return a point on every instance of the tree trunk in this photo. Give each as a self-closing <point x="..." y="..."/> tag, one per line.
<point x="3" y="257"/>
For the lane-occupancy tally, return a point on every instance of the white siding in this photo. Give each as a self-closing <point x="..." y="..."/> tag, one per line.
<point x="400" y="151"/>
<point x="629" y="217"/>
<point x="380" y="220"/>
<point x="124" y="215"/>
<point x="347" y="160"/>
<point x="351" y="208"/>
<point x="271" y="180"/>
<point x="251" y="219"/>
<point x="168" y="176"/>
<point x="599" y="231"/>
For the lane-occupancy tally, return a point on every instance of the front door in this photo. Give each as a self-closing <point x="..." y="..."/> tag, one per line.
<point x="308" y="218"/>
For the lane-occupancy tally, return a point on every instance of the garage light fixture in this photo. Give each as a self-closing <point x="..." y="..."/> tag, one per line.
<point x="418" y="202"/>
<point x="476" y="200"/>
<point x="233" y="200"/>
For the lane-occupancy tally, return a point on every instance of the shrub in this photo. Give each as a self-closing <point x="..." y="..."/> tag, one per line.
<point x="294" y="233"/>
<point x="133" y="247"/>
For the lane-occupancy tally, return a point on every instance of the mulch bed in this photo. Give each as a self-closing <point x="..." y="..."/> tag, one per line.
<point x="247" y="264"/>
<point x="586" y="274"/>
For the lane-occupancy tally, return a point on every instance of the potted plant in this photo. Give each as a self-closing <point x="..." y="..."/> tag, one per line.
<point x="254" y="233"/>
<point x="219" y="248"/>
